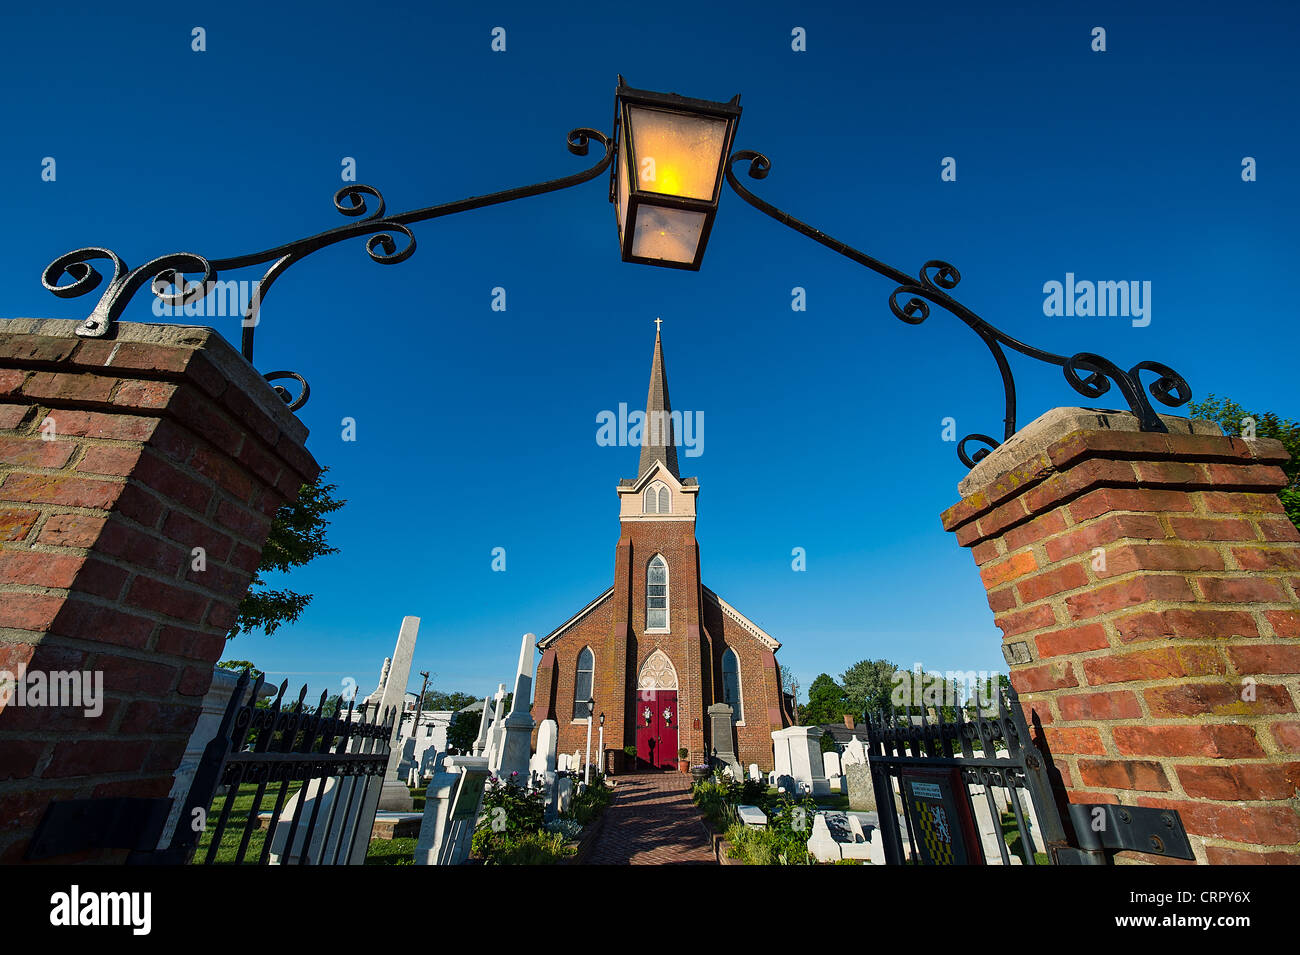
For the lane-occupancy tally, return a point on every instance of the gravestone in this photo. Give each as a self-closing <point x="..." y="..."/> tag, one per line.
<point x="752" y="816"/>
<point x="862" y="792"/>
<point x="544" y="766"/>
<point x="854" y="752"/>
<point x="517" y="730"/>
<point x="723" y="737"/>
<point x="754" y="774"/>
<point x="564" y="794"/>
<point x="831" y="764"/>
<point x="451" y="810"/>
<point x="804" y="756"/>
<point x="836" y="836"/>
<point x="481" y="740"/>
<point x="496" y="732"/>
<point x="394" y="796"/>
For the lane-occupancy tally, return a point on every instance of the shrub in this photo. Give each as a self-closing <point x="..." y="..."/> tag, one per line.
<point x="510" y="811"/>
<point x="591" y="802"/>
<point x="534" y="848"/>
<point x="767" y="846"/>
<point x="570" y="829"/>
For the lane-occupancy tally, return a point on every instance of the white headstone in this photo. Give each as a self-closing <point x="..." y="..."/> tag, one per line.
<point x="517" y="732"/>
<point x="802" y="744"/>
<point x="854" y="752"/>
<point x="831" y="763"/>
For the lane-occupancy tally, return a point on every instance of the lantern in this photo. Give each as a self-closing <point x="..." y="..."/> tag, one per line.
<point x="671" y="152"/>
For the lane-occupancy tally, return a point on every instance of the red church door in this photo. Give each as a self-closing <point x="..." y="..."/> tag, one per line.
<point x="656" y="728"/>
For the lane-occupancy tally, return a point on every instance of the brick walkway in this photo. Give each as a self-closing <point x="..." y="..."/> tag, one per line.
<point x="652" y="821"/>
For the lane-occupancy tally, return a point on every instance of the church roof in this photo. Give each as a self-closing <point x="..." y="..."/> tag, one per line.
<point x="658" y="439"/>
<point x="746" y="624"/>
<point x="762" y="635"/>
<point x="558" y="632"/>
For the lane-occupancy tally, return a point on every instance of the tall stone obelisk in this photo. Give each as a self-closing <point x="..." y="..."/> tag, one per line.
<point x="517" y="747"/>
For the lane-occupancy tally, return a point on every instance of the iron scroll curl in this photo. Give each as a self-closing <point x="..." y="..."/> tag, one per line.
<point x="1087" y="373"/>
<point x="389" y="241"/>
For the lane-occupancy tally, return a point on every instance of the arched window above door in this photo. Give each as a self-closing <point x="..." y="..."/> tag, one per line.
<point x="656" y="594"/>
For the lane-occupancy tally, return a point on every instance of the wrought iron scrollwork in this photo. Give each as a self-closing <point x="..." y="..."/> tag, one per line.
<point x="1087" y="373"/>
<point x="389" y="241"/>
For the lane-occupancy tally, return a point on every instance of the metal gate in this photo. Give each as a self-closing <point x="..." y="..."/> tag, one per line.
<point x="282" y="749"/>
<point x="934" y="762"/>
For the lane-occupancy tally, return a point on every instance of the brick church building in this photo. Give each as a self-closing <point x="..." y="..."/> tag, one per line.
<point x="657" y="648"/>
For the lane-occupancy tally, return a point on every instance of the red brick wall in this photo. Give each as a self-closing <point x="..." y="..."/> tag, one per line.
<point x="1166" y="676"/>
<point x="760" y="686"/>
<point x="159" y="447"/>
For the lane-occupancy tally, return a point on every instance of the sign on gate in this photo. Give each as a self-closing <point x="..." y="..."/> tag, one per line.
<point x="939" y="810"/>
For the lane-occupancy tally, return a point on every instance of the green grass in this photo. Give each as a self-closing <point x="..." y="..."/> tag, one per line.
<point x="381" y="851"/>
<point x="234" y="831"/>
<point x="1012" y="835"/>
<point x="391" y="852"/>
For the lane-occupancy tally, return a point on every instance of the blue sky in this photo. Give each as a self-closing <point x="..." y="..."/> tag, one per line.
<point x="476" y="429"/>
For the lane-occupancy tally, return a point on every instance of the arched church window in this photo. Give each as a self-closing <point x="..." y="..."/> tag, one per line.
<point x="582" y="684"/>
<point x="731" y="684"/>
<point x="656" y="594"/>
<point x="665" y="502"/>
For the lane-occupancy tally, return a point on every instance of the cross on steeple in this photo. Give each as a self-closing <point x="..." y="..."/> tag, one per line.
<point x="658" y="322"/>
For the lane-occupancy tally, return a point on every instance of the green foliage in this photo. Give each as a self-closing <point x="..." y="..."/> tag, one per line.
<point x="591" y="802"/>
<point x="241" y="665"/>
<point x="868" y="684"/>
<point x="297" y="537"/>
<point x="511" y="810"/>
<point x="719" y="794"/>
<point x="827" y="702"/>
<point x="785" y="839"/>
<point x="630" y="751"/>
<point x="463" y="730"/>
<point x="1231" y="417"/>
<point x="683" y="753"/>
<point x="440" y="700"/>
<point x="827" y="743"/>
<point x="533" y="848"/>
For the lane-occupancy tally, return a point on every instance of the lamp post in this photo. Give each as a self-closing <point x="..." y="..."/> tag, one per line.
<point x="586" y="769"/>
<point x="667" y="156"/>
<point x="600" y="746"/>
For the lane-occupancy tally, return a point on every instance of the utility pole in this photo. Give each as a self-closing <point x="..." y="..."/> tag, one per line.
<point x="419" y="706"/>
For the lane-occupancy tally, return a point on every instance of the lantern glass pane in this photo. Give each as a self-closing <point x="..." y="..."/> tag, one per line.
<point x="620" y="207"/>
<point x="677" y="154"/>
<point x="672" y="235"/>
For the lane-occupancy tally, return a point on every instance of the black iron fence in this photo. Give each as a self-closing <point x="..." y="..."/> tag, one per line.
<point x="929" y="763"/>
<point x="264" y="754"/>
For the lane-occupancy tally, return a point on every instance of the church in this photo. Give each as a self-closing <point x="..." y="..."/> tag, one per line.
<point x="658" y="648"/>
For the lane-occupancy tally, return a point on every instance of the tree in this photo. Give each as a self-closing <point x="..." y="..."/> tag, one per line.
<point x="241" y="665"/>
<point x="826" y="702"/>
<point x="440" y="700"/>
<point x="868" y="685"/>
<point x="1236" y="421"/>
<point x="463" y="730"/>
<point x="297" y="537"/>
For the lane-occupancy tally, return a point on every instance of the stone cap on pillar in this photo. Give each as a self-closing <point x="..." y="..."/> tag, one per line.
<point x="1035" y="438"/>
<point x="1069" y="451"/>
<point x="199" y="352"/>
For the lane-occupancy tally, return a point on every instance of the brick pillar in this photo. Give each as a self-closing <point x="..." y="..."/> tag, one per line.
<point x="117" y="459"/>
<point x="1146" y="586"/>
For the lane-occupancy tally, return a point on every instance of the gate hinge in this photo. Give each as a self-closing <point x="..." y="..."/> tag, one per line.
<point x="1150" y="829"/>
<point x="122" y="822"/>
